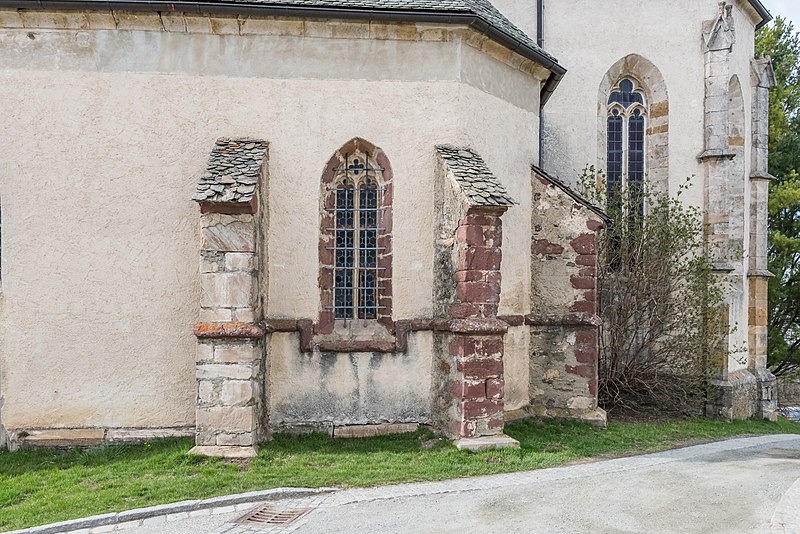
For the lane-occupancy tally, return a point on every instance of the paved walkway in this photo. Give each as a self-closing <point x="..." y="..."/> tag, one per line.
<point x="740" y="485"/>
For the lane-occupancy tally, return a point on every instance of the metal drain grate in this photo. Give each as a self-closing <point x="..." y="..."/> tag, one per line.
<point x="269" y="515"/>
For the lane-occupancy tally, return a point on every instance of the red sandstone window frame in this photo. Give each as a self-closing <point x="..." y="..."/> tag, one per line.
<point x="374" y="158"/>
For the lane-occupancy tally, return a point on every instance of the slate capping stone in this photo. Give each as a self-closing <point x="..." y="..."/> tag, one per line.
<point x="139" y="514"/>
<point x="480" y="186"/>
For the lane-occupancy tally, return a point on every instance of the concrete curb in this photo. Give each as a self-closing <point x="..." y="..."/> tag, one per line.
<point x="138" y="515"/>
<point x="786" y="519"/>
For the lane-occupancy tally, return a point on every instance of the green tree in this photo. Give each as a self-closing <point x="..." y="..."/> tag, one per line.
<point x="780" y="42"/>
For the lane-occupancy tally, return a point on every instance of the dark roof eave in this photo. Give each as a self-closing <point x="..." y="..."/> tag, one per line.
<point x="765" y="15"/>
<point x="384" y="15"/>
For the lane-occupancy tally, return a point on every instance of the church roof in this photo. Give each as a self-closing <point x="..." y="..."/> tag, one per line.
<point x="478" y="14"/>
<point x="232" y="172"/>
<point x="480" y="8"/>
<point x="479" y="185"/>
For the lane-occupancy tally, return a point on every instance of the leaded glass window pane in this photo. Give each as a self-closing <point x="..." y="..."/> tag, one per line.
<point x="636" y="159"/>
<point x="356" y="253"/>
<point x="614" y="155"/>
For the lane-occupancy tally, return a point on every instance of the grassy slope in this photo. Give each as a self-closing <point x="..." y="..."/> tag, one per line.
<point x="43" y="486"/>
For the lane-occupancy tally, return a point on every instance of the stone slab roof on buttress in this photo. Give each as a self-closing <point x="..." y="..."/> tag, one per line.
<point x="232" y="171"/>
<point x="479" y="185"/>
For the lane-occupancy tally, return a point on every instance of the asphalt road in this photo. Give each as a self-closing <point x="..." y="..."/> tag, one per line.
<point x="741" y="485"/>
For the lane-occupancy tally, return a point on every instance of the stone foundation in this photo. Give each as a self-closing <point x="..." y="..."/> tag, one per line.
<point x="735" y="397"/>
<point x="85" y="437"/>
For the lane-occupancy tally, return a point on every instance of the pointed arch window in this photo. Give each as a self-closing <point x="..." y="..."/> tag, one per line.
<point x="355" y="247"/>
<point x="626" y="128"/>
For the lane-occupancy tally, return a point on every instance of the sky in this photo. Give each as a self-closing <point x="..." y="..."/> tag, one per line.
<point x="789" y="9"/>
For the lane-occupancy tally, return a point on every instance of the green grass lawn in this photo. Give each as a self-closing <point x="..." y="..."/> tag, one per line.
<point x="44" y="486"/>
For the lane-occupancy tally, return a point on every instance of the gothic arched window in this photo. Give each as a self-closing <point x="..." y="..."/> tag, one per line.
<point x="355" y="239"/>
<point x="625" y="156"/>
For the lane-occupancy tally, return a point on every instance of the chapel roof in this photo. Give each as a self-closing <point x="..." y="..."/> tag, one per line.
<point x="484" y="9"/>
<point x="232" y="172"/>
<point x="479" y="14"/>
<point x="477" y="182"/>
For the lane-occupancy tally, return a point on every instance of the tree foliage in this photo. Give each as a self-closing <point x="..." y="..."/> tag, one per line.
<point x="780" y="42"/>
<point x="658" y="301"/>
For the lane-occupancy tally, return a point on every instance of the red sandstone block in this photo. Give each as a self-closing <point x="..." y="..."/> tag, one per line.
<point x="586" y="355"/>
<point x="467" y="429"/>
<point x="495" y="388"/>
<point x="586" y="371"/>
<point x="326" y="277"/>
<point x="513" y="320"/>
<point x="481" y="369"/>
<point x="489" y="310"/>
<point x="493" y="277"/>
<point x="477" y="347"/>
<point x="480" y="220"/>
<point x="586" y="336"/>
<point x="477" y="292"/>
<point x="471" y="235"/>
<point x="470" y="276"/>
<point x="496" y="423"/>
<point x="594" y="225"/>
<point x="544" y="246"/>
<point x="479" y="258"/>
<point x="471" y="409"/>
<point x="582" y="306"/>
<point x="588" y="271"/>
<point x="493" y="236"/>
<point x="466" y="310"/>
<point x="585" y="244"/>
<point x="580" y="282"/>
<point x="465" y="390"/>
<point x="587" y="259"/>
<point x="590" y="296"/>
<point x="593" y="386"/>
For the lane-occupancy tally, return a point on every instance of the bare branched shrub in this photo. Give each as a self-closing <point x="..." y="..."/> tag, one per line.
<point x="661" y="306"/>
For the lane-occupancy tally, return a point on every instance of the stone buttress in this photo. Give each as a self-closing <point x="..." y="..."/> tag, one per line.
<point x="230" y="337"/>
<point x="758" y="272"/>
<point x="738" y="391"/>
<point x="470" y="202"/>
<point x="563" y="321"/>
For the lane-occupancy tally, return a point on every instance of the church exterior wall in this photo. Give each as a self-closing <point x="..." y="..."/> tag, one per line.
<point x="108" y="131"/>
<point x="720" y="185"/>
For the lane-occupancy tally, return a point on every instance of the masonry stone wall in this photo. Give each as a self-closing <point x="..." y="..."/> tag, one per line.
<point x="563" y="322"/>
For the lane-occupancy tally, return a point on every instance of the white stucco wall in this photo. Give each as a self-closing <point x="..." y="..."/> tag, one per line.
<point x="106" y="133"/>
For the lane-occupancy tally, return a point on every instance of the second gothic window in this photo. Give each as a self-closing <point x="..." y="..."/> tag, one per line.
<point x="626" y="125"/>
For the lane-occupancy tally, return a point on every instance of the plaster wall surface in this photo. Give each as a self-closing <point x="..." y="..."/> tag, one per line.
<point x="321" y="389"/>
<point x="106" y="133"/>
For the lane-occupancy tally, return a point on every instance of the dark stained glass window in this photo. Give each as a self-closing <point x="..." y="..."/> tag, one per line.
<point x="626" y="130"/>
<point x="614" y="153"/>
<point x="636" y="158"/>
<point x="356" y="251"/>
